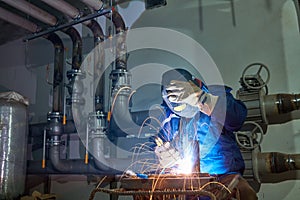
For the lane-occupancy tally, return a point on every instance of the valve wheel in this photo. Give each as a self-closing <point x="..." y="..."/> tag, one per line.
<point x="252" y="138"/>
<point x="257" y="75"/>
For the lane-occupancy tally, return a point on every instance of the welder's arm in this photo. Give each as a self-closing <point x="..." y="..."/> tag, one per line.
<point x="189" y="93"/>
<point x="234" y="110"/>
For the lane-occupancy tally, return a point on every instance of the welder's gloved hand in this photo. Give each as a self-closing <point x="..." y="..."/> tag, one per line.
<point x="167" y="155"/>
<point x="189" y="93"/>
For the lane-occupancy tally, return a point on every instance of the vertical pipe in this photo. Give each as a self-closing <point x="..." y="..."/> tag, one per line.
<point x="57" y="105"/>
<point x="77" y="47"/>
<point x="98" y="64"/>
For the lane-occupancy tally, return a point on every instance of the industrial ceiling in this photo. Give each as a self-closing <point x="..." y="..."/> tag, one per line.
<point x="10" y="32"/>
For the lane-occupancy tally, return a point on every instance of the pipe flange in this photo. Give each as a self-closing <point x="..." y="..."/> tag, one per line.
<point x="97" y="122"/>
<point x="54" y="116"/>
<point x="54" y="141"/>
<point x="71" y="74"/>
<point x="75" y="100"/>
<point x="120" y="78"/>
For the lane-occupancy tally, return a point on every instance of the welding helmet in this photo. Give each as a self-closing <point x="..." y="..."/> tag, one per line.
<point x="180" y="109"/>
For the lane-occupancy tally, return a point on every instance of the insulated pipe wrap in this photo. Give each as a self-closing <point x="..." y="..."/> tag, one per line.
<point x="13" y="148"/>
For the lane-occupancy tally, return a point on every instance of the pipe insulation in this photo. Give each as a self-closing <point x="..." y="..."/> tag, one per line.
<point x="13" y="145"/>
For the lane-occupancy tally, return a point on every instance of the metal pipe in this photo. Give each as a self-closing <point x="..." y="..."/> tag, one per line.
<point x="18" y="21"/>
<point x="62" y="5"/>
<point x="72" y="23"/>
<point x="33" y="11"/>
<point x="57" y="105"/>
<point x="275" y="162"/>
<point x="121" y="50"/>
<point x="77" y="47"/>
<point x="59" y="50"/>
<point x="98" y="64"/>
<point x="95" y="4"/>
<point x="278" y="106"/>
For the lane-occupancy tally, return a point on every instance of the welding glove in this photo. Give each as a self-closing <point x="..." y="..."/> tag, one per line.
<point x="189" y="93"/>
<point x="167" y="155"/>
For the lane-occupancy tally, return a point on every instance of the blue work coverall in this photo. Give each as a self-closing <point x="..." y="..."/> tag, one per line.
<point x="219" y="152"/>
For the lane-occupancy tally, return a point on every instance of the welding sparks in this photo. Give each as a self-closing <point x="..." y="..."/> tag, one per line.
<point x="185" y="165"/>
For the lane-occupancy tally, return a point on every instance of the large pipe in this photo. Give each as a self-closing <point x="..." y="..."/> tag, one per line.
<point x="95" y="4"/>
<point x="59" y="48"/>
<point x="33" y="10"/>
<point x="64" y="7"/>
<point x="275" y="162"/>
<point x="77" y="46"/>
<point x="121" y="50"/>
<point x="57" y="105"/>
<point x="18" y="21"/>
<point x="277" y="106"/>
<point x="98" y="64"/>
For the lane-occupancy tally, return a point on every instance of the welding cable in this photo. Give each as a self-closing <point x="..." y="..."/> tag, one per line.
<point x="144" y="122"/>
<point x="114" y="101"/>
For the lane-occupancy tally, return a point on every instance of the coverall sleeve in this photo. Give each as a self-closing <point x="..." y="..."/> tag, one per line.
<point x="234" y="110"/>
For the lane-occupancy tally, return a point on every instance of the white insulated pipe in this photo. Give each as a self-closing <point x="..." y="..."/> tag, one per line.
<point x="32" y="10"/>
<point x="64" y="7"/>
<point x="18" y="21"/>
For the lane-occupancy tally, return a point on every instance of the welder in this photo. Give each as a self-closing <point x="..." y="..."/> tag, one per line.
<point x="208" y="115"/>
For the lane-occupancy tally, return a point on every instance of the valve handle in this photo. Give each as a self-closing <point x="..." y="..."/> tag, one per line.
<point x="260" y="82"/>
<point x="250" y="139"/>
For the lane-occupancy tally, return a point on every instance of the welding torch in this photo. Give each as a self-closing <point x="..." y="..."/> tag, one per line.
<point x="168" y="156"/>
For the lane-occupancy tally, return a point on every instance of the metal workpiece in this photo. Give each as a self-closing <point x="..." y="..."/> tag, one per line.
<point x="164" y="186"/>
<point x="13" y="147"/>
<point x="278" y="106"/>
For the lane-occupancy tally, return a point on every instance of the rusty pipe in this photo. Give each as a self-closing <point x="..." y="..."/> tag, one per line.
<point x="121" y="50"/>
<point x="277" y="107"/>
<point x="275" y="162"/>
<point x="64" y="7"/>
<point x="95" y="4"/>
<point x="58" y="55"/>
<point x="77" y="47"/>
<point x="57" y="105"/>
<point x="98" y="63"/>
<point x="33" y="11"/>
<point x="18" y="21"/>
